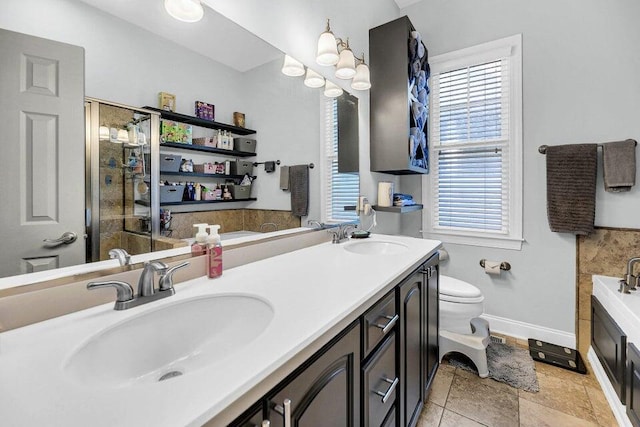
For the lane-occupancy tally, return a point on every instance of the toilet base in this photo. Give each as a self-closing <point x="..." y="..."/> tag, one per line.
<point x="474" y="345"/>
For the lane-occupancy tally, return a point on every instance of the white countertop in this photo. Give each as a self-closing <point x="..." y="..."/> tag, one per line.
<point x="624" y="308"/>
<point x="310" y="290"/>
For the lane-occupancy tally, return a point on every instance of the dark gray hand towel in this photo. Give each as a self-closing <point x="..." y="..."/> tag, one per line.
<point x="299" y="187"/>
<point x="284" y="178"/>
<point x="619" y="165"/>
<point x="571" y="187"/>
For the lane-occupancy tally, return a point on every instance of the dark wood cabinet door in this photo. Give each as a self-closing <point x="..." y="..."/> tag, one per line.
<point x="411" y="348"/>
<point x="251" y="418"/>
<point x="325" y="391"/>
<point x="610" y="344"/>
<point x="633" y="385"/>
<point x="431" y="274"/>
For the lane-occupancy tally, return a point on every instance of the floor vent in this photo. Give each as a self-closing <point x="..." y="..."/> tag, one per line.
<point x="498" y="340"/>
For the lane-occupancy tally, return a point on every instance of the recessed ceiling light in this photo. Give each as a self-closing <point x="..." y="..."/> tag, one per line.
<point x="184" y="10"/>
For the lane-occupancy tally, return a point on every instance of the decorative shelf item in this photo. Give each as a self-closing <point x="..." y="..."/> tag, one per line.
<point x="195" y="121"/>
<point x="398" y="209"/>
<point x="205" y="149"/>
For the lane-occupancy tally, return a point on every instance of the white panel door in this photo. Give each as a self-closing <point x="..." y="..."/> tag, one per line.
<point x="42" y="147"/>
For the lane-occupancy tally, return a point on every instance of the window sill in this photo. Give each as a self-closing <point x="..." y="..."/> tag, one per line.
<point x="483" y="241"/>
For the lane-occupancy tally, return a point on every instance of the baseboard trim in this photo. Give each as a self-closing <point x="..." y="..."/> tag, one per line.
<point x="618" y="409"/>
<point x="522" y="330"/>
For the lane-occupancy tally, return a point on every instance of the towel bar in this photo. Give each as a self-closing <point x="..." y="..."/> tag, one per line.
<point x="543" y="148"/>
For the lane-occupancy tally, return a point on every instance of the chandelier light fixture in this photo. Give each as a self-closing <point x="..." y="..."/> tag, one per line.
<point x="313" y="79"/>
<point x="332" y="90"/>
<point x="292" y="67"/>
<point x="184" y="10"/>
<point x="333" y="50"/>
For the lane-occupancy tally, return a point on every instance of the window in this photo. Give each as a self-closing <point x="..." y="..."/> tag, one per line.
<point x="475" y="187"/>
<point x="339" y="189"/>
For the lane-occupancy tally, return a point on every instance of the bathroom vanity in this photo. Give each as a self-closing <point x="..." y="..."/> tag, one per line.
<point x="614" y="356"/>
<point x="334" y="334"/>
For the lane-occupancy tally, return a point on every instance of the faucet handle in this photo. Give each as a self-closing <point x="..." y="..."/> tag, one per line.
<point x="166" y="280"/>
<point x="124" y="291"/>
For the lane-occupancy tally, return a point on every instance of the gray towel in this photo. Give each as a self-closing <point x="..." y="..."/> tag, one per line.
<point x="571" y="187"/>
<point x="299" y="187"/>
<point x="619" y="165"/>
<point x="284" y="178"/>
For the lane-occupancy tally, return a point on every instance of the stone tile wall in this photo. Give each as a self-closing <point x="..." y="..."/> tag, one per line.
<point x="232" y="220"/>
<point x="605" y="252"/>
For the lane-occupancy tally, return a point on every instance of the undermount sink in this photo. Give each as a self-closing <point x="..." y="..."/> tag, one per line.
<point x="170" y="341"/>
<point x="376" y="247"/>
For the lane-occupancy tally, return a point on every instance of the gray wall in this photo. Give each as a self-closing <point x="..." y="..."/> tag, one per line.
<point x="581" y="77"/>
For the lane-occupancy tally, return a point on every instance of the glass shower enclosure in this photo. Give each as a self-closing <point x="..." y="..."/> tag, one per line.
<point x="122" y="208"/>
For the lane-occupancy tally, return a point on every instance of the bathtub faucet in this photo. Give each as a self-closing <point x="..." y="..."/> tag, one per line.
<point x="629" y="278"/>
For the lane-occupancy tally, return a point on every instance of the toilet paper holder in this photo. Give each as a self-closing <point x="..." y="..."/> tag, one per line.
<point x="503" y="265"/>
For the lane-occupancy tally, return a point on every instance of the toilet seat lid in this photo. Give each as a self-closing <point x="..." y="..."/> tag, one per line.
<point x="455" y="290"/>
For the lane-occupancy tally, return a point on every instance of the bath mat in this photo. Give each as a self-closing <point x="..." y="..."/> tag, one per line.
<point x="507" y="364"/>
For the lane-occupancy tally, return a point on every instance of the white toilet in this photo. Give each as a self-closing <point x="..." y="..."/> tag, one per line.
<point x="461" y="328"/>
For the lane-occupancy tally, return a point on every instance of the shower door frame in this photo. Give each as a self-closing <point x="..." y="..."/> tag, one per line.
<point x="92" y="174"/>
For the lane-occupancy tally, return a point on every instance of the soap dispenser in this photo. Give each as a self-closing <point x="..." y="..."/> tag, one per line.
<point x="214" y="252"/>
<point x="200" y="245"/>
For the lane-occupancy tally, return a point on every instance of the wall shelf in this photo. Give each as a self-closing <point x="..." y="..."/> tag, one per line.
<point x="398" y="209"/>
<point x="195" y="121"/>
<point x="205" y="149"/>
<point x="205" y="175"/>
<point x="197" y="202"/>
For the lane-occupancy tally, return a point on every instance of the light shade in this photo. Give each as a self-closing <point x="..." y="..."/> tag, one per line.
<point x="362" y="79"/>
<point x="184" y="10"/>
<point x="332" y="90"/>
<point x="327" y="49"/>
<point x="292" y="67"/>
<point x="313" y="79"/>
<point x="346" y="67"/>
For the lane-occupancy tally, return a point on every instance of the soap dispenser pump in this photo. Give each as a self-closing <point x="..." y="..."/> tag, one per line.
<point x="200" y="245"/>
<point x="214" y="253"/>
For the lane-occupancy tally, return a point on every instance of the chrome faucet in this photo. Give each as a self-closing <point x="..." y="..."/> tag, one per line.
<point x="630" y="280"/>
<point x="146" y="284"/>
<point x="313" y="222"/>
<point x="123" y="257"/>
<point x="146" y="289"/>
<point x="342" y="233"/>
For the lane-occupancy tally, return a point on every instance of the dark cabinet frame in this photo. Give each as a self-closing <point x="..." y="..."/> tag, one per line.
<point x="610" y="345"/>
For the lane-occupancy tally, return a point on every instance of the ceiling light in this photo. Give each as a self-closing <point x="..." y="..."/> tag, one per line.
<point x="362" y="79"/>
<point x="327" y="49"/>
<point x="184" y="10"/>
<point x="332" y="90"/>
<point x="313" y="79"/>
<point x="346" y="67"/>
<point x="292" y="67"/>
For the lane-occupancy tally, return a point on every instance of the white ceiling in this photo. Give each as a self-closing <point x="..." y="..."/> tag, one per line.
<point x="214" y="36"/>
<point x="404" y="3"/>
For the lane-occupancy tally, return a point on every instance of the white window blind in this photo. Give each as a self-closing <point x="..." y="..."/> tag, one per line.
<point x="473" y="141"/>
<point x="341" y="189"/>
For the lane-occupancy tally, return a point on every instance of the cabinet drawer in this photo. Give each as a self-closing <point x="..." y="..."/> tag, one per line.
<point x="380" y="383"/>
<point x="378" y="322"/>
<point x="633" y="385"/>
<point x="610" y="345"/>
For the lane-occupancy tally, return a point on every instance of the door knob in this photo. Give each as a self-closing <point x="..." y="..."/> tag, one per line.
<point x="66" y="238"/>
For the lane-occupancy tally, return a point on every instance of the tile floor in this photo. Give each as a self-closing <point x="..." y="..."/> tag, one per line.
<point x="460" y="398"/>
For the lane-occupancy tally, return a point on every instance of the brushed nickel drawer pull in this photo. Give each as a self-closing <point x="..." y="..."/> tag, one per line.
<point x="385" y="328"/>
<point x="285" y="411"/>
<point x="387" y="394"/>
